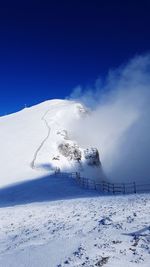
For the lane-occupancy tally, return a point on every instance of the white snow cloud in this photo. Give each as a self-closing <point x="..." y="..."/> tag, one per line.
<point x="119" y="121"/>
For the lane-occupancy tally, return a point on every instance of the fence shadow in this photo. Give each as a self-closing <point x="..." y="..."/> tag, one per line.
<point x="61" y="186"/>
<point x="46" y="188"/>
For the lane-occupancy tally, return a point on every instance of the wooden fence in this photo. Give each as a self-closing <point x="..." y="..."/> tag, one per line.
<point x="107" y="187"/>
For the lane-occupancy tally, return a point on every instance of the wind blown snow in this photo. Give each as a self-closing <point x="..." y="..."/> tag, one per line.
<point x="119" y="121"/>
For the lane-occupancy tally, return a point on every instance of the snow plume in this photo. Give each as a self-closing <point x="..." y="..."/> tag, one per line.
<point x="118" y="122"/>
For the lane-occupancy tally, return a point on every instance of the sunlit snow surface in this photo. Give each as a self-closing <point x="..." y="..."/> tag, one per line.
<point x="31" y="137"/>
<point x="49" y="221"/>
<point x="84" y="231"/>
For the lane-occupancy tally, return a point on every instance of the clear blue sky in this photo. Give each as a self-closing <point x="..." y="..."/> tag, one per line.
<point x="49" y="47"/>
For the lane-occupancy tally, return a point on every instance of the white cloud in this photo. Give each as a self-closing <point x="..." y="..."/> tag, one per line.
<point x="119" y="123"/>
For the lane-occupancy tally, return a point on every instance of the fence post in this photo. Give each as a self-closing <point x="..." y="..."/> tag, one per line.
<point x="113" y="189"/>
<point x="103" y="186"/>
<point x="86" y="183"/>
<point x="124" y="189"/>
<point x="134" y="184"/>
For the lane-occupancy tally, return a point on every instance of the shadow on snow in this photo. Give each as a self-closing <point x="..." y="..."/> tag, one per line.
<point x="142" y="232"/>
<point x="46" y="188"/>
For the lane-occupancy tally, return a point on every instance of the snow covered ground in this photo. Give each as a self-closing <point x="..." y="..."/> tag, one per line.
<point x="29" y="140"/>
<point x="52" y="222"/>
<point x="48" y="220"/>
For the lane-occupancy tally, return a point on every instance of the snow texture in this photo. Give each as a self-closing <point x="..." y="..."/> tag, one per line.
<point x="48" y="220"/>
<point x="83" y="230"/>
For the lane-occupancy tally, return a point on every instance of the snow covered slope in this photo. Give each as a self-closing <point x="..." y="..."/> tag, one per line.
<point x="36" y="140"/>
<point x="100" y="231"/>
<point x="47" y="220"/>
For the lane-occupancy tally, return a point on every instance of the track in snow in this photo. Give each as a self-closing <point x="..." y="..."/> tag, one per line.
<point x="43" y="142"/>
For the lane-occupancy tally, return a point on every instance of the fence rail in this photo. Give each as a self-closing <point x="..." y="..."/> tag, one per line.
<point x="104" y="186"/>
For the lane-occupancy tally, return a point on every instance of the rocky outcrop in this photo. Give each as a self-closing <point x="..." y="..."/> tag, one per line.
<point x="92" y="157"/>
<point x="72" y="152"/>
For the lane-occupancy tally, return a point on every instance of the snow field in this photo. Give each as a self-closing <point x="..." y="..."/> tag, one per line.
<point x="104" y="230"/>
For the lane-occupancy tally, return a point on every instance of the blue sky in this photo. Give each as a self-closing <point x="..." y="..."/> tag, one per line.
<point x="47" y="48"/>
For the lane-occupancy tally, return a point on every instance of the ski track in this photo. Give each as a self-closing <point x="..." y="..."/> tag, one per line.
<point x="43" y="142"/>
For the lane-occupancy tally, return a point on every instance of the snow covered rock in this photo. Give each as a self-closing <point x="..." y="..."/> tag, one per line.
<point x="72" y="152"/>
<point x="92" y="156"/>
<point x="63" y="133"/>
